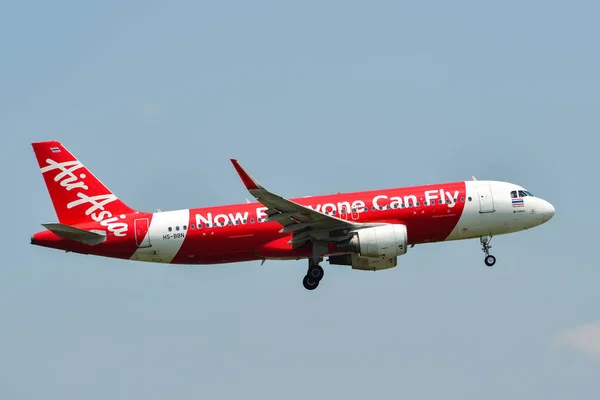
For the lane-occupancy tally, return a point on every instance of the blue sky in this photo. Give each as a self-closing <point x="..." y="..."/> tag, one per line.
<point x="313" y="98"/>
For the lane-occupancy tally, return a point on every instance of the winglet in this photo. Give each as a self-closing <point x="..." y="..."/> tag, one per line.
<point x="249" y="182"/>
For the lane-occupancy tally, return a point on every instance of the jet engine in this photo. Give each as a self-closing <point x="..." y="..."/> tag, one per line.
<point x="373" y="248"/>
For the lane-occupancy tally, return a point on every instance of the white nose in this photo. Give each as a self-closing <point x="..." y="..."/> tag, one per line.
<point x="547" y="211"/>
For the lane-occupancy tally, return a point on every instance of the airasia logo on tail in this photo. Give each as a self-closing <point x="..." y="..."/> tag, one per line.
<point x="70" y="181"/>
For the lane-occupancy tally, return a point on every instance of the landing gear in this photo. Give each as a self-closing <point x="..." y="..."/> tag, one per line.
<point x="485" y="246"/>
<point x="490" y="260"/>
<point x="315" y="272"/>
<point x="309" y="284"/>
<point x="313" y="276"/>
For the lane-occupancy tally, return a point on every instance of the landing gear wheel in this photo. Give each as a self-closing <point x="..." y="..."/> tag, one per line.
<point x="315" y="273"/>
<point x="485" y="246"/>
<point x="309" y="284"/>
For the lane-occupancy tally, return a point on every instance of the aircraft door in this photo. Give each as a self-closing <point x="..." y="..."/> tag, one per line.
<point x="486" y="200"/>
<point x="142" y="237"/>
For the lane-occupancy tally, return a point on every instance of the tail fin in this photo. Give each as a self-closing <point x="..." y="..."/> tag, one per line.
<point x="77" y="195"/>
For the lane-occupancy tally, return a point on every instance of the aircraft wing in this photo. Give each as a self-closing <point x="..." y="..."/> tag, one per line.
<point x="304" y="223"/>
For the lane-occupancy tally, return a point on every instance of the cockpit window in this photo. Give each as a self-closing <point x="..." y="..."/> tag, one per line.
<point x="521" y="193"/>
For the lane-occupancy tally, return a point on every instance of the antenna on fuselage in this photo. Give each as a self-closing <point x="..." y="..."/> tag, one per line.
<point x="473" y="176"/>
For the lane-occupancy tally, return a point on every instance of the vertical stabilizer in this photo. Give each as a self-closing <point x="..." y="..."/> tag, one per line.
<point x="77" y="195"/>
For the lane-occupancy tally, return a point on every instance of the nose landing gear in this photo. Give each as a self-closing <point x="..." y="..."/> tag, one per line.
<point x="490" y="260"/>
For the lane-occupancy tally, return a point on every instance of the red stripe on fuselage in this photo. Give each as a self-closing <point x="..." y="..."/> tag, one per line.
<point x="256" y="240"/>
<point x="243" y="242"/>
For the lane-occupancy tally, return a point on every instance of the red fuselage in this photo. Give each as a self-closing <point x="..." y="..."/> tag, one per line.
<point x="233" y="233"/>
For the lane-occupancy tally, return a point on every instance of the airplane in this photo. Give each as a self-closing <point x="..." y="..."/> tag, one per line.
<point x="365" y="230"/>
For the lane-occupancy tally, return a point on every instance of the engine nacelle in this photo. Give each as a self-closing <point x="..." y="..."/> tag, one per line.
<point x="373" y="248"/>
<point x="379" y="241"/>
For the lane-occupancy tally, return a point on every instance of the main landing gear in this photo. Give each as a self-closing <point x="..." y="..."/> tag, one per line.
<point x="313" y="276"/>
<point x="485" y="246"/>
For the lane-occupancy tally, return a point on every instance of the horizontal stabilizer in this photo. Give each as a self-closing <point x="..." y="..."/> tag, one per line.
<point x="76" y="234"/>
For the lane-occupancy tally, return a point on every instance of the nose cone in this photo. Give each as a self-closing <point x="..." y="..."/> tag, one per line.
<point x="547" y="211"/>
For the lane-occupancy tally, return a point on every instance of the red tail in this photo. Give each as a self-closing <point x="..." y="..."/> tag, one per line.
<point x="77" y="195"/>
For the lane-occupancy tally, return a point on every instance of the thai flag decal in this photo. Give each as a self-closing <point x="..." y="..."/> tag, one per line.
<point x="517" y="202"/>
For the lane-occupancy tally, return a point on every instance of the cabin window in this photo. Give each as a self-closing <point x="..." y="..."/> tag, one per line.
<point x="207" y="225"/>
<point x="185" y="227"/>
<point x="251" y="220"/>
<point x="177" y="228"/>
<point x="462" y="199"/>
<point x="170" y="229"/>
<point x="192" y="226"/>
<point x="470" y="198"/>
